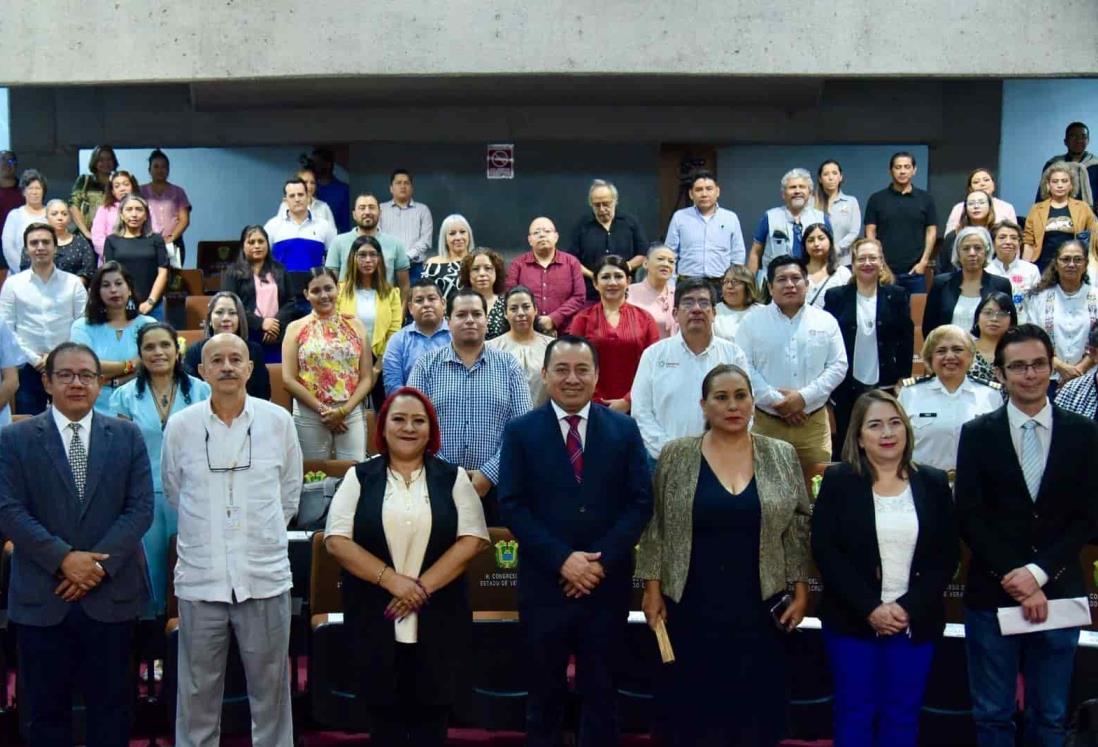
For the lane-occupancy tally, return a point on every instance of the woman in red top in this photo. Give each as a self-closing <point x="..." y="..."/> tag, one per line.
<point x="619" y="331"/>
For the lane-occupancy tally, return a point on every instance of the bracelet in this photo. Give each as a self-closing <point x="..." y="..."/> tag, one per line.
<point x="422" y="588"/>
<point x="380" y="574"/>
<point x="128" y="368"/>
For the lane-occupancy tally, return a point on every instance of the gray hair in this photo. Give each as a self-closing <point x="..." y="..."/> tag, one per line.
<point x="120" y="223"/>
<point x="447" y="222"/>
<point x="797" y="173"/>
<point x="599" y="184"/>
<point x="978" y="231"/>
<point x="64" y="203"/>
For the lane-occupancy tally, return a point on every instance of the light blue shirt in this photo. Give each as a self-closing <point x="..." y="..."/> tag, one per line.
<point x="404" y="349"/>
<point x="706" y="247"/>
<point x="109" y="346"/>
<point x="141" y="409"/>
<point x="392" y="251"/>
<point x="11" y="356"/>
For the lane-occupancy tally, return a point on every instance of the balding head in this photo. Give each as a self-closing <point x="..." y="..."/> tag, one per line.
<point x="226" y="365"/>
<point x="543" y="236"/>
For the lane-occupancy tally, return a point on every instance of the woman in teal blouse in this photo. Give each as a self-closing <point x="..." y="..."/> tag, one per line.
<point x="159" y="390"/>
<point x="109" y="327"/>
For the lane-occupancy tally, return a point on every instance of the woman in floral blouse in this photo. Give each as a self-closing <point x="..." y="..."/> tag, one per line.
<point x="328" y="369"/>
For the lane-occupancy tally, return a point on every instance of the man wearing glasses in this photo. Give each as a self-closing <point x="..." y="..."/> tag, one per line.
<point x="1026" y="487"/>
<point x="667" y="387"/>
<point x="797" y="359"/>
<point x="554" y="277"/>
<point x="76" y="497"/>
<point x="232" y="466"/>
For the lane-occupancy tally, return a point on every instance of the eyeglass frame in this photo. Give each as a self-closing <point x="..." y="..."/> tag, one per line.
<point x="239" y="468"/>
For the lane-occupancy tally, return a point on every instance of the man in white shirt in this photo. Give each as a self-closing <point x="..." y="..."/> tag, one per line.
<point x="1026" y="486"/>
<point x="797" y="358"/>
<point x="407" y="220"/>
<point x="39" y="305"/>
<point x="320" y="209"/>
<point x="299" y="239"/>
<point x="232" y="466"/>
<point x="667" y="387"/>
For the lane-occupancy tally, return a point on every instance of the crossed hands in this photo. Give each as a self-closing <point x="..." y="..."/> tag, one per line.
<point x="409" y="595"/>
<point x="889" y="618"/>
<point x="1023" y="588"/>
<point x="791" y="407"/>
<point x="581" y="573"/>
<point x="82" y="573"/>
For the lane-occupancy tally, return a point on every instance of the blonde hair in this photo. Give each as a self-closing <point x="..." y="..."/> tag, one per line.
<point x="935" y="337"/>
<point x="884" y="273"/>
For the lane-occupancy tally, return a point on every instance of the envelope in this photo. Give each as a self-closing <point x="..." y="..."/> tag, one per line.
<point x="1062" y="613"/>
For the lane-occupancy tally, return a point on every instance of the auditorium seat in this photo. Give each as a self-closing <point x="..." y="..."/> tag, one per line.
<point x="918" y="306"/>
<point x="191" y="281"/>
<point x="279" y="395"/>
<point x="947" y="709"/>
<point x="636" y="685"/>
<point x="496" y="694"/>
<point x="194" y="313"/>
<point x="811" y="692"/>
<point x="191" y="336"/>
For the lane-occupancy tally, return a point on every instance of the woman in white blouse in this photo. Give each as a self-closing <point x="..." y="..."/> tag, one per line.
<point x="739" y="297"/>
<point x="404" y="525"/>
<point x="824" y="270"/>
<point x="1065" y="305"/>
<point x="33" y="186"/>
<point x="842" y="209"/>
<point x="522" y="340"/>
<point x="1006" y="237"/>
<point x="883" y="538"/>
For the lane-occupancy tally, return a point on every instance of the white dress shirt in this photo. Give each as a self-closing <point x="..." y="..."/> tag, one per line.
<point x="232" y="542"/>
<point x="964" y="312"/>
<point x="584" y="413"/>
<point x="805" y="353"/>
<point x="667" y="388"/>
<point x="40" y="313"/>
<point x="866" y="364"/>
<point x="1016" y="418"/>
<point x="66" y="432"/>
<point x="728" y="321"/>
<point x="937" y="416"/>
<point x="406" y="521"/>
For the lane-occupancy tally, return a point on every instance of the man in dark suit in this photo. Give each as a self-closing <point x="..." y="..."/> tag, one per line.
<point x="576" y="492"/>
<point x="1027" y="502"/>
<point x="76" y="497"/>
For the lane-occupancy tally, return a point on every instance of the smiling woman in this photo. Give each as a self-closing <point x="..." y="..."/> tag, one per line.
<point x="226" y="314"/>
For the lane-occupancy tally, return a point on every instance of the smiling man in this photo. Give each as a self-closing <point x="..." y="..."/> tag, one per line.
<point x="781" y="229"/>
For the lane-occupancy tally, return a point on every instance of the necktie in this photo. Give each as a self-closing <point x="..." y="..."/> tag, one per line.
<point x="574" y="446"/>
<point x="78" y="459"/>
<point x="1031" y="458"/>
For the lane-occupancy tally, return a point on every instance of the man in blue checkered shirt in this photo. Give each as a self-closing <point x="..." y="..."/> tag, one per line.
<point x="476" y="390"/>
<point x="1080" y="395"/>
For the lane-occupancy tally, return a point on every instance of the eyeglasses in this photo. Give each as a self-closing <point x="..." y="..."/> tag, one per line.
<point x="543" y="232"/>
<point x="1019" y="368"/>
<point x="66" y="377"/>
<point x="732" y="283"/>
<point x="695" y="303"/>
<point x="1071" y="260"/>
<point x="234" y="467"/>
<point x="867" y="260"/>
<point x="366" y="255"/>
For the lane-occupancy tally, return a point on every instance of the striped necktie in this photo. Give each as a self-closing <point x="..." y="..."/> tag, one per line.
<point x="574" y="446"/>
<point x="1031" y="458"/>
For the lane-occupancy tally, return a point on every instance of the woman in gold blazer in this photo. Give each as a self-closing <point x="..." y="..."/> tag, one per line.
<point x="729" y="533"/>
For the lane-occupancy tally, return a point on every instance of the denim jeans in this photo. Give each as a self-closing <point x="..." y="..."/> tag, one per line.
<point x="1045" y="659"/>
<point x="911" y="283"/>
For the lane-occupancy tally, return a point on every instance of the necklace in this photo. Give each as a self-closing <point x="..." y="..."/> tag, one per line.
<point x="163" y="402"/>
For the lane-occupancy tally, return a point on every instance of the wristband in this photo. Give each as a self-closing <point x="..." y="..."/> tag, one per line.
<point x="380" y="574"/>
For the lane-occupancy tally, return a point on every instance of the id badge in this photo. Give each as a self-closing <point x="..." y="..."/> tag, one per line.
<point x="232" y="519"/>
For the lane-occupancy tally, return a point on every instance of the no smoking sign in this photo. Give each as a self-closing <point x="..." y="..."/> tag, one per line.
<point x="501" y="161"/>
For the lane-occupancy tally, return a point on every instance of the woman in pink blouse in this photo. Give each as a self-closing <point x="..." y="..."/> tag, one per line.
<point x="106" y="217"/>
<point x="656" y="294"/>
<point x="619" y="331"/>
<point x="169" y="207"/>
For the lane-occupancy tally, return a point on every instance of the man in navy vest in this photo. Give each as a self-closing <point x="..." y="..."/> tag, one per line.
<point x="576" y="492"/>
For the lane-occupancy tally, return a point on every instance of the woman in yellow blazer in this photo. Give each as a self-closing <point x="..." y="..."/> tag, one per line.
<point x="365" y="292"/>
<point x="1058" y="218"/>
<point x="728" y="536"/>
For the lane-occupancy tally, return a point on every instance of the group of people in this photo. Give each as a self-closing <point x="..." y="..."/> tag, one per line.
<point x="586" y="408"/>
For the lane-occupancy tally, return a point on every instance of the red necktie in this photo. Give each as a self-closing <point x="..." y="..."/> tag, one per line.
<point x="574" y="446"/>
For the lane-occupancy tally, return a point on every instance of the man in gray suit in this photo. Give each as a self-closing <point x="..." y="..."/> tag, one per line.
<point x="76" y="497"/>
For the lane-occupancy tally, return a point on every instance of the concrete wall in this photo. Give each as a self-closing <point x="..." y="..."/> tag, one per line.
<point x="120" y="41"/>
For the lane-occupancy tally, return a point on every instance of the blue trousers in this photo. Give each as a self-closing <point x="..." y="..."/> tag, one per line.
<point x="1046" y="660"/>
<point x="93" y="657"/>
<point x="879" y="684"/>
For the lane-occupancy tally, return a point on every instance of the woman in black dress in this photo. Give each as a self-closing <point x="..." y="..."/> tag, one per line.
<point x="142" y="252"/>
<point x="226" y="314"/>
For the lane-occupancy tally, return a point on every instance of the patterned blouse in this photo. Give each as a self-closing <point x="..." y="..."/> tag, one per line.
<point x="328" y="355"/>
<point x="87" y="196"/>
<point x="497" y="322"/>
<point x="445" y="275"/>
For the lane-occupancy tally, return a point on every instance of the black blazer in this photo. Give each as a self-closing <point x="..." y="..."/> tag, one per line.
<point x="947" y="289"/>
<point x="895" y="330"/>
<point x="1004" y="528"/>
<point x="244" y="286"/>
<point x="551" y="516"/>
<point x="844" y="545"/>
<point x="258" y="385"/>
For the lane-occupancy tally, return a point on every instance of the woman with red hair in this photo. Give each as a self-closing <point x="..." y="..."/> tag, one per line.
<point x="404" y="525"/>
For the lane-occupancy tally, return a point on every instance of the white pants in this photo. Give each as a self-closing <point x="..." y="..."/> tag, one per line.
<point x="317" y="442"/>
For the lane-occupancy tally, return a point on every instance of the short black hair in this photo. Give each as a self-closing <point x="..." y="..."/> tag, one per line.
<point x="422" y="282"/>
<point x="1021" y="333"/>
<point x="1073" y="125"/>
<point x="901" y="154"/>
<point x="702" y="174"/>
<point x="465" y="293"/>
<point x="398" y="172"/>
<point x="570" y="340"/>
<point x="161" y="155"/>
<point x="781" y="261"/>
<point x="74" y="347"/>
<point x="294" y="180"/>
<point x="693" y="284"/>
<point x="1000" y="299"/>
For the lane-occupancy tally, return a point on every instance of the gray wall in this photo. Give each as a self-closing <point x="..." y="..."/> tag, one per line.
<point x="124" y="41"/>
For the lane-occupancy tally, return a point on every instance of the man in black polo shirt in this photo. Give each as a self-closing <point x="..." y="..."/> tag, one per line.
<point x="904" y="220"/>
<point x="606" y="231"/>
